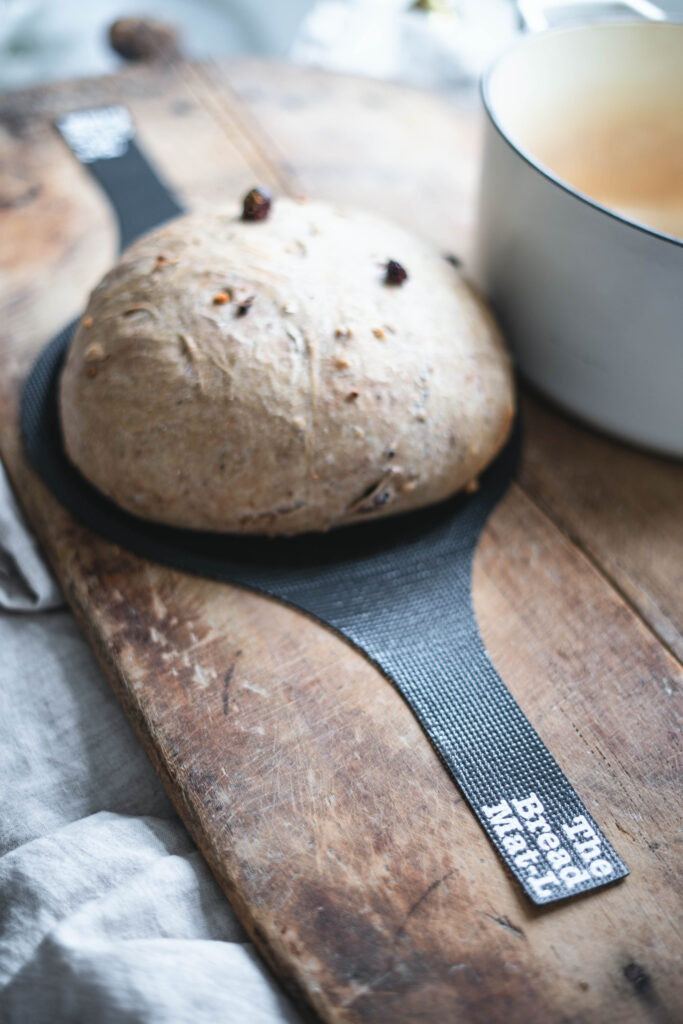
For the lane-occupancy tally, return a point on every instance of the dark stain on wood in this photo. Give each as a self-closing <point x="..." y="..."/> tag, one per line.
<point x="227" y="679"/>
<point x="17" y="193"/>
<point x="506" y="923"/>
<point x="643" y="988"/>
<point x="638" y="977"/>
<point x="421" y="899"/>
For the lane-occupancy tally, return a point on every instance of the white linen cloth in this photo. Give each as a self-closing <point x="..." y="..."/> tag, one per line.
<point x="107" y="910"/>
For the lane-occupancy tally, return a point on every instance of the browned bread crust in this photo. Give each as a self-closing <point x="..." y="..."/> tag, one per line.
<point x="262" y="377"/>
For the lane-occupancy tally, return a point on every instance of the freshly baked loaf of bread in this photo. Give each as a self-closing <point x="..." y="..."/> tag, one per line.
<point x="305" y="370"/>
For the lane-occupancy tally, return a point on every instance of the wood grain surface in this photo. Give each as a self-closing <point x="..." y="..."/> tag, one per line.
<point x="325" y="815"/>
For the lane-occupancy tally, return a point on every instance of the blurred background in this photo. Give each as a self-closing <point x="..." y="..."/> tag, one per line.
<point x="435" y="43"/>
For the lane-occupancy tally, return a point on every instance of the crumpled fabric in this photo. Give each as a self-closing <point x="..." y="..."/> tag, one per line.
<point x="446" y="47"/>
<point x="26" y="584"/>
<point x="108" y="912"/>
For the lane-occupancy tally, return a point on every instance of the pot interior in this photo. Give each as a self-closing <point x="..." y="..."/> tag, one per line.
<point x="601" y="108"/>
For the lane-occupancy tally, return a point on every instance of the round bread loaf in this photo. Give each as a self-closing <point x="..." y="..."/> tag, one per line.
<point x="266" y="377"/>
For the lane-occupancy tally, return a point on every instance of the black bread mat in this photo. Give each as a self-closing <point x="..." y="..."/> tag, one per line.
<point x="399" y="588"/>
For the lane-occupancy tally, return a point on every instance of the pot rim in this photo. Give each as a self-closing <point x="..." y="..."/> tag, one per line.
<point x="528" y="158"/>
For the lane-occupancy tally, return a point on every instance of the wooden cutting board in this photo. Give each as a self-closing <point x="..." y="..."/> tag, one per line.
<point x="322" y="810"/>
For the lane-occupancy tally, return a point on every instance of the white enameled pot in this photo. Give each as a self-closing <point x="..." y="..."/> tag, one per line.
<point x="580" y="237"/>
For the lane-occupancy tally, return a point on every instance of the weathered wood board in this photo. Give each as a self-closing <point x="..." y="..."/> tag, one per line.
<point x="320" y="806"/>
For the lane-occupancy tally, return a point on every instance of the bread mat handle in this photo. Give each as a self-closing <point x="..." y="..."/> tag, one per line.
<point x="103" y="138"/>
